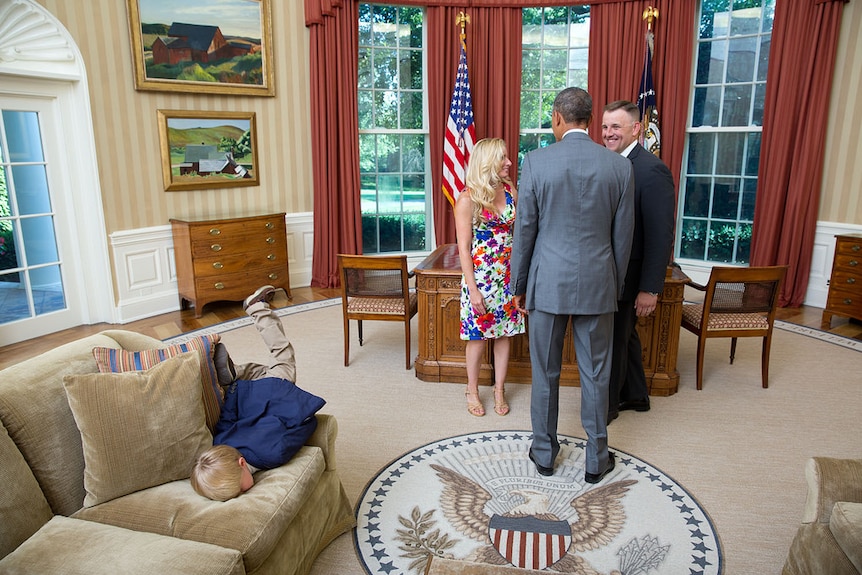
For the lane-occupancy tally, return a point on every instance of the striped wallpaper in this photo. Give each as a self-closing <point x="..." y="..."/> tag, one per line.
<point x="127" y="140"/>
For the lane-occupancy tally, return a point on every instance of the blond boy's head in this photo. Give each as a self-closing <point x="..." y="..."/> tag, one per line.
<point x="221" y="473"/>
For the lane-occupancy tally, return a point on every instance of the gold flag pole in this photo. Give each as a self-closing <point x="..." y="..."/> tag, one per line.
<point x="650" y="15"/>
<point x="462" y="20"/>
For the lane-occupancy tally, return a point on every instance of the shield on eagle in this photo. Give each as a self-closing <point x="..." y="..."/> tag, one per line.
<point x="528" y="542"/>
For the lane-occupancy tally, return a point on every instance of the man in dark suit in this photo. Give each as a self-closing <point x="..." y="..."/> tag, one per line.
<point x="573" y="234"/>
<point x="651" y="248"/>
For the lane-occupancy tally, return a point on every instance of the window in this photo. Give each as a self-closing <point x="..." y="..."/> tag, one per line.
<point x="393" y="137"/>
<point x="555" y="49"/>
<point x="719" y="173"/>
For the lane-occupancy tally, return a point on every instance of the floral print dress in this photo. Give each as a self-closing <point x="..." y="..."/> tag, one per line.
<point x="491" y="250"/>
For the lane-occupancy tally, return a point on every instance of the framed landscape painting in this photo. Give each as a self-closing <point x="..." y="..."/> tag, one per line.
<point x="202" y="46"/>
<point x="202" y="150"/>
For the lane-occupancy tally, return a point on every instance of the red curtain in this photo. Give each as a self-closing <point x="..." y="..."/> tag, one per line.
<point x="801" y="63"/>
<point x="334" y="56"/>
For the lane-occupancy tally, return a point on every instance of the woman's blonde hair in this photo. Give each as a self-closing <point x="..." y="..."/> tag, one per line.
<point x="483" y="174"/>
<point x="217" y="473"/>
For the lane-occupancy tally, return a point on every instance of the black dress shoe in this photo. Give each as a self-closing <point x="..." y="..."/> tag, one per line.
<point x="596" y="477"/>
<point x="546" y="471"/>
<point x="635" y="405"/>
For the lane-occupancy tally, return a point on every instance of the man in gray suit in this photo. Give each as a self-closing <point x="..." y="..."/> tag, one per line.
<point x="573" y="236"/>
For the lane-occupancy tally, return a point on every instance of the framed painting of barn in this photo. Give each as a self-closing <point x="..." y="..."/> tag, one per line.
<point x="202" y="46"/>
<point x="203" y="150"/>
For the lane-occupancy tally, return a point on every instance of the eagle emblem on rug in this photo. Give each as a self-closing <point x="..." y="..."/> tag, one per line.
<point x="529" y="535"/>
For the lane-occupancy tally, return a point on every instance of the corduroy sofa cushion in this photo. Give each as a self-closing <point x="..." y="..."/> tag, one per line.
<point x="846" y="526"/>
<point x="111" y="360"/>
<point x="74" y="547"/>
<point x="251" y="523"/>
<point x="23" y="507"/>
<point x="138" y="429"/>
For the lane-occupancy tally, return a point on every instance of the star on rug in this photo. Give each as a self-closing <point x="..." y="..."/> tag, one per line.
<point x="478" y="497"/>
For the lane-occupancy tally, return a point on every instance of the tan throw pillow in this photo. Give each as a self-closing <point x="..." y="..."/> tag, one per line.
<point x="110" y="360"/>
<point x="138" y="429"/>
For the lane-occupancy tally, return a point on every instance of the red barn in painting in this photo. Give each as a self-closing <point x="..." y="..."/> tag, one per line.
<point x="197" y="43"/>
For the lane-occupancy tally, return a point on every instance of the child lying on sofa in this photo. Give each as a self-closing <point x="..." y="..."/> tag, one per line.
<point x="265" y="418"/>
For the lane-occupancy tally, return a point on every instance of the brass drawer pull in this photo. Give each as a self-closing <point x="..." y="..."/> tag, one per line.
<point x="854" y="263"/>
<point x="269" y="225"/>
<point x="851" y="280"/>
<point x="215" y="247"/>
<point x="270" y="240"/>
<point x="273" y="276"/>
<point x="219" y="285"/>
<point x="215" y="231"/>
<point x="271" y="257"/>
<point x="856" y="247"/>
<point x="218" y="265"/>
<point x="847" y="301"/>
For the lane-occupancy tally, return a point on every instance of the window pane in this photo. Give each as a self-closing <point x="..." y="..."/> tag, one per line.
<point x="693" y="240"/>
<point x="763" y="58"/>
<point x="722" y="241"/>
<point x="531" y="69"/>
<point x="31" y="189"/>
<point x="370" y="244"/>
<point x="768" y="15"/>
<point x="22" y="136"/>
<point x="759" y="98"/>
<point x="413" y="154"/>
<point x="383" y="26"/>
<point x="411" y="70"/>
<point x="414" y="193"/>
<point x="743" y="243"/>
<point x="414" y="231"/>
<point x="15" y="304"/>
<point x="530" y="109"/>
<point x="745" y="21"/>
<point x="737" y="105"/>
<point x="707" y="102"/>
<point x="697" y="197"/>
<point x="411" y="19"/>
<point x="749" y="189"/>
<point x="47" y="285"/>
<point x="554" y="66"/>
<point x="752" y="154"/>
<point x="368" y="194"/>
<point x="411" y="110"/>
<point x="388" y="153"/>
<point x="731" y="149"/>
<point x="366" y="109"/>
<point x="365" y="70"/>
<point x="385" y="64"/>
<point x="386" y="108"/>
<point x="725" y="198"/>
<point x="701" y="149"/>
<point x="8" y="251"/>
<point x="707" y="18"/>
<point x="40" y="244"/>
<point x="367" y="153"/>
<point x="741" y="59"/>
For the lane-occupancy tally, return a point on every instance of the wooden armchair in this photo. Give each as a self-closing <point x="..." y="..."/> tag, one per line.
<point x="738" y="302"/>
<point x="376" y="288"/>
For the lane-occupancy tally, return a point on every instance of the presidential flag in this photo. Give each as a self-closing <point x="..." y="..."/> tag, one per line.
<point x="651" y="135"/>
<point x="460" y="132"/>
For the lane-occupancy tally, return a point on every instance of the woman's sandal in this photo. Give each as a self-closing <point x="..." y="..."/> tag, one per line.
<point x="501" y="406"/>
<point x="474" y="407"/>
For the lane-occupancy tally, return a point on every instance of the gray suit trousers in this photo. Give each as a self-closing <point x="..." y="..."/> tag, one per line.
<point x="593" y="335"/>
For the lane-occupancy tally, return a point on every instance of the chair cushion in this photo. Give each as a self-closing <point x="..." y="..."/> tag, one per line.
<point x="110" y="360"/>
<point x="381" y="305"/>
<point x="846" y="526"/>
<point x="692" y="313"/>
<point x="138" y="429"/>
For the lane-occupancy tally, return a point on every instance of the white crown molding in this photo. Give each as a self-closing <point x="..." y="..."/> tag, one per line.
<point x="34" y="43"/>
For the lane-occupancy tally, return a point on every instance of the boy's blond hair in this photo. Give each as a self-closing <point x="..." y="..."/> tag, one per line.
<point x="217" y="473"/>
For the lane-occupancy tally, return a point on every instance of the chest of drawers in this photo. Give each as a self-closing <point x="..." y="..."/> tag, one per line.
<point x="845" y="285"/>
<point x="228" y="259"/>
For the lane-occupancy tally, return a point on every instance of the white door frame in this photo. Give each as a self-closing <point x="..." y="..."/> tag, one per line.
<point x="51" y="67"/>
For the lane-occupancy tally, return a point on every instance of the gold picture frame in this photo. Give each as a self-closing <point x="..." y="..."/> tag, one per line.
<point x="204" y="150"/>
<point x="223" y="50"/>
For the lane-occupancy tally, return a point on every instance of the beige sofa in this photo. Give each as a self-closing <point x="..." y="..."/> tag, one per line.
<point x="830" y="537"/>
<point x="49" y="522"/>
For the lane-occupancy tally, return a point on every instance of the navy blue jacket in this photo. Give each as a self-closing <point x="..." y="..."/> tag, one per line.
<point x="268" y="420"/>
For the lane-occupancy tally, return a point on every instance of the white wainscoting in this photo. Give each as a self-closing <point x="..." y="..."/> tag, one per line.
<point x="145" y="272"/>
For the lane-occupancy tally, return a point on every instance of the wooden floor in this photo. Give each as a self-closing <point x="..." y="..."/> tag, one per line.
<point x="175" y="323"/>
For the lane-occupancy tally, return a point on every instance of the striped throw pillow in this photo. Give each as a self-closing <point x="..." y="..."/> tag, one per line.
<point x="110" y="360"/>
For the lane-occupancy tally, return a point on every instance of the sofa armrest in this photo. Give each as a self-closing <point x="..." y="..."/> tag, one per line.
<point x="324" y="438"/>
<point x="132" y="341"/>
<point x="830" y="480"/>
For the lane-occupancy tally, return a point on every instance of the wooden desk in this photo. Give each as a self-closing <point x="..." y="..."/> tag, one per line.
<point x="441" y="350"/>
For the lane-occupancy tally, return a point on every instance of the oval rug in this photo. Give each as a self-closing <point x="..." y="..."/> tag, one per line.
<point x="477" y="497"/>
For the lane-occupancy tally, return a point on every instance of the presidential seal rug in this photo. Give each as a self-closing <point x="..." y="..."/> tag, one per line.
<point x="478" y="498"/>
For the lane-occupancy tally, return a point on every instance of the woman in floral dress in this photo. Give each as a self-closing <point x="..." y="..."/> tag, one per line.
<point x="484" y="220"/>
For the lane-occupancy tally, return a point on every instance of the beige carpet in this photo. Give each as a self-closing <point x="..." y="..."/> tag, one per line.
<point x="739" y="449"/>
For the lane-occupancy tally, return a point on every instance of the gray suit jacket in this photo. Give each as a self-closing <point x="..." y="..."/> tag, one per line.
<point x="574" y="226"/>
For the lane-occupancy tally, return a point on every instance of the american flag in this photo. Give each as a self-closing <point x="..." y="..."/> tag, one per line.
<point x="647" y="103"/>
<point x="460" y="132"/>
